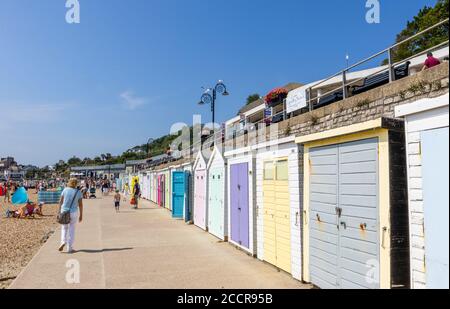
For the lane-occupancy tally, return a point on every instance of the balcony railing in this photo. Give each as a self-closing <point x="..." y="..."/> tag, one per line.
<point x="389" y="68"/>
<point x="345" y="85"/>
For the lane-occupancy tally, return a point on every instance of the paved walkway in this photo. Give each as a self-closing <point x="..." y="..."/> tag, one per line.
<point x="146" y="248"/>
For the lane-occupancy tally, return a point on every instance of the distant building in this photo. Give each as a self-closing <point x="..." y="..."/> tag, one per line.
<point x="14" y="175"/>
<point x="7" y="163"/>
<point x="99" y="171"/>
<point x="132" y="166"/>
<point x="10" y="170"/>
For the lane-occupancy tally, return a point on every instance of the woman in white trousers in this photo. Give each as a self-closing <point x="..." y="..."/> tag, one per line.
<point x="72" y="201"/>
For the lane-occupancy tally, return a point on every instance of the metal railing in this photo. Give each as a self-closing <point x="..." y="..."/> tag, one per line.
<point x="390" y="67"/>
<point x="217" y="135"/>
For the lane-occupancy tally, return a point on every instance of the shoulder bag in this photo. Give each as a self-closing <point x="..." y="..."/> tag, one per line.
<point x="64" y="217"/>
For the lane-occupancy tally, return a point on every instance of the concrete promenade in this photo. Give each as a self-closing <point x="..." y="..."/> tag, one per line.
<point x="146" y="248"/>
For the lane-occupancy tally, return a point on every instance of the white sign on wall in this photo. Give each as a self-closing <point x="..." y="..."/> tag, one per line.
<point x="296" y="100"/>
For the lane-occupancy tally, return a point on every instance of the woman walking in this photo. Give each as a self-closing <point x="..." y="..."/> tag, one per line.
<point x="71" y="202"/>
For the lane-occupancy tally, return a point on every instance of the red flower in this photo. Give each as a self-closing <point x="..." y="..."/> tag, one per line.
<point x="276" y="94"/>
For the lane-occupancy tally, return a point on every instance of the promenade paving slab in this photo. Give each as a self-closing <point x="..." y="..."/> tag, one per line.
<point x="146" y="248"/>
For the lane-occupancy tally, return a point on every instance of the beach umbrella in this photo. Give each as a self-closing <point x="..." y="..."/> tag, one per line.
<point x="20" y="196"/>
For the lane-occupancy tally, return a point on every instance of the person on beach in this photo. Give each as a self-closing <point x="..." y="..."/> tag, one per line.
<point x="28" y="210"/>
<point x="72" y="201"/>
<point x="7" y="198"/>
<point x="117" y="198"/>
<point x="137" y="194"/>
<point x="105" y="188"/>
<point x="84" y="190"/>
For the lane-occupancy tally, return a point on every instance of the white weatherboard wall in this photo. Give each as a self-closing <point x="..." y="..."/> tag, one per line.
<point x="243" y="155"/>
<point x="217" y="162"/>
<point x="144" y="186"/>
<point x="421" y="118"/>
<point x="281" y="148"/>
<point x="196" y="203"/>
<point x="150" y="186"/>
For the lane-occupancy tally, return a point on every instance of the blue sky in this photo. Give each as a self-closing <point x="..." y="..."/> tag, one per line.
<point x="132" y="68"/>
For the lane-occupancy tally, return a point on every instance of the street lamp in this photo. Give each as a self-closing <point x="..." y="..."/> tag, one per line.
<point x="210" y="96"/>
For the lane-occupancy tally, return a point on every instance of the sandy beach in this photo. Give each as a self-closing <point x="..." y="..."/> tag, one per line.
<point x="20" y="239"/>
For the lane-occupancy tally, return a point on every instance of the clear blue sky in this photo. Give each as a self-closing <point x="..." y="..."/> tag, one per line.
<point x="132" y="68"/>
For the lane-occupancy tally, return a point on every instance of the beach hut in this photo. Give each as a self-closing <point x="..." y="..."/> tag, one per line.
<point x="217" y="195"/>
<point x="155" y="187"/>
<point x="162" y="189"/>
<point x="160" y="192"/>
<point x="141" y="176"/>
<point x="187" y="167"/>
<point x="171" y="169"/>
<point x="180" y="194"/>
<point x="166" y="188"/>
<point x="355" y="208"/>
<point x="278" y="204"/>
<point x="143" y="184"/>
<point x="200" y="202"/>
<point x="123" y="180"/>
<point x="241" y="198"/>
<point x="149" y="185"/>
<point x="427" y="138"/>
<point x="118" y="182"/>
<point x="140" y="180"/>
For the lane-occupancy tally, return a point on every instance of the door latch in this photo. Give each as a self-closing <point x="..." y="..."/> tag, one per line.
<point x="339" y="212"/>
<point x="344" y="225"/>
<point x="383" y="244"/>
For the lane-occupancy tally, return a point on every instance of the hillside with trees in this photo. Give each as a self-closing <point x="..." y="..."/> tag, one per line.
<point x="427" y="17"/>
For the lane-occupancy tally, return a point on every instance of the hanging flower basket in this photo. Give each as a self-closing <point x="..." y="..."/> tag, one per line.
<point x="276" y="96"/>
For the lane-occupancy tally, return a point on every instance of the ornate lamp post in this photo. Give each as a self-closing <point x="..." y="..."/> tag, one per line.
<point x="210" y="96"/>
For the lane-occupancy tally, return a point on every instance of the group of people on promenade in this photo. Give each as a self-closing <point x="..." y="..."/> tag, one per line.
<point x="72" y="202"/>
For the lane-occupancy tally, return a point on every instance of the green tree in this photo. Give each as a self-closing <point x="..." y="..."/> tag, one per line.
<point x="97" y="160"/>
<point x="86" y="161"/>
<point x="74" y="161"/>
<point x="30" y="174"/>
<point x="252" y="98"/>
<point x="427" y="17"/>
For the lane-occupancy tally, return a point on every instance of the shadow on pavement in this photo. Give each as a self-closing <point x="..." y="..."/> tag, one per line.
<point x="103" y="250"/>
